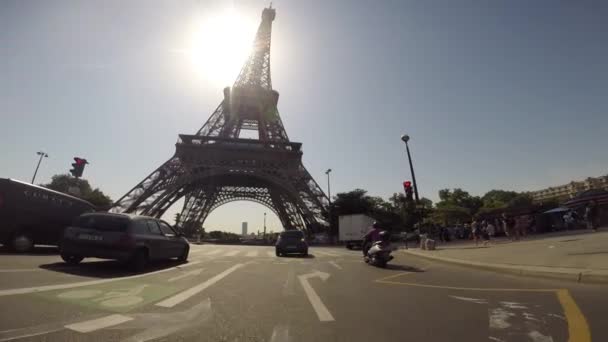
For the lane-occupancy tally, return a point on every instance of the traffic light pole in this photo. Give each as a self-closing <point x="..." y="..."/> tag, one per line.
<point x="409" y="158"/>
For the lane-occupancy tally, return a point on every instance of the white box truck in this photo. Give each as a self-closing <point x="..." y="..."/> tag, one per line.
<point x="352" y="229"/>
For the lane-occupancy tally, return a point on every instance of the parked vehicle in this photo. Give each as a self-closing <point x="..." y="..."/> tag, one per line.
<point x="352" y="229"/>
<point x="133" y="239"/>
<point x="31" y="215"/>
<point x="291" y="242"/>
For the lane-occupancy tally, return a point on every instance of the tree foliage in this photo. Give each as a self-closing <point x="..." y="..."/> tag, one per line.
<point x="63" y="183"/>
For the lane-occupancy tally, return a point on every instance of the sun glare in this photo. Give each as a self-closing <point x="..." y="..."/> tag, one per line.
<point x="220" y="45"/>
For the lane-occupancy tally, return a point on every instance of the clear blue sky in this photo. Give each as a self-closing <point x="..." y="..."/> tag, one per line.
<point x="495" y="94"/>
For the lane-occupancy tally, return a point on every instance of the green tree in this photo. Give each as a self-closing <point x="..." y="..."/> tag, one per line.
<point x="498" y="198"/>
<point x="65" y="183"/>
<point x="459" y="198"/>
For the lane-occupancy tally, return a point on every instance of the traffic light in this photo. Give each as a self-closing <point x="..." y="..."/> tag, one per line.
<point x="407" y="187"/>
<point x="78" y="167"/>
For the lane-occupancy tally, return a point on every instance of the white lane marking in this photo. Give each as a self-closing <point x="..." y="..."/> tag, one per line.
<point x="472" y="300"/>
<point x="25" y="290"/>
<point x="99" y="323"/>
<point x="232" y="253"/>
<point x="252" y="253"/>
<point x="320" y="308"/>
<point x="182" y="296"/>
<point x="20" y="270"/>
<point x="271" y="254"/>
<point x="325" y="253"/>
<point x="288" y="286"/>
<point x="187" y="274"/>
<point x="215" y="251"/>
<point x="280" y="333"/>
<point x="333" y="263"/>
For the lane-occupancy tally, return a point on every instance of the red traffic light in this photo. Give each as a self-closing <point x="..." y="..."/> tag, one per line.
<point x="407" y="184"/>
<point x="80" y="161"/>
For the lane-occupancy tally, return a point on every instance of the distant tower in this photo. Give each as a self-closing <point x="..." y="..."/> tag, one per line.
<point x="244" y="229"/>
<point x="216" y="165"/>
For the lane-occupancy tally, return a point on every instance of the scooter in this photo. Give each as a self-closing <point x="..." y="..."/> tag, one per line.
<point x="379" y="254"/>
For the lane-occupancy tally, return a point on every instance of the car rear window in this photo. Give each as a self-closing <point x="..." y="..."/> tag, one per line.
<point x="104" y="223"/>
<point x="292" y="234"/>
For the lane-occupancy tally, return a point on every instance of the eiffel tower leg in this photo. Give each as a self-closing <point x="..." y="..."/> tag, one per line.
<point x="147" y="196"/>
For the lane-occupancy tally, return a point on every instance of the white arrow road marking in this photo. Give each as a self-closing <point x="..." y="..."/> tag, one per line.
<point x="186" y="274"/>
<point x="86" y="283"/>
<point x="99" y="323"/>
<point x="333" y="263"/>
<point x="182" y="296"/>
<point x="320" y="308"/>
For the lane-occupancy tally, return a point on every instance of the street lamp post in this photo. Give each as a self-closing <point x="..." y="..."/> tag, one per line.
<point x="405" y="139"/>
<point x="329" y="200"/>
<point x="42" y="155"/>
<point x="264" y="236"/>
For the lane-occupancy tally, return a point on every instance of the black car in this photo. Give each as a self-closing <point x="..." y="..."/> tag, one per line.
<point x="291" y="242"/>
<point x="31" y="214"/>
<point x="133" y="239"/>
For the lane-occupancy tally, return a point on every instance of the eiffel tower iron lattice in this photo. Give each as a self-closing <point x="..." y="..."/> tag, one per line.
<point x="215" y="166"/>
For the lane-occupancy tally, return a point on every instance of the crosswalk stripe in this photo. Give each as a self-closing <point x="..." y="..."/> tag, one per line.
<point x="252" y="253"/>
<point x="232" y="253"/>
<point x="215" y="251"/>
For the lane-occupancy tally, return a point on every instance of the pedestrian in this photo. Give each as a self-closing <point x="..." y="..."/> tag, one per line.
<point x="568" y="220"/>
<point x="491" y="230"/>
<point x="485" y="233"/>
<point x="591" y="215"/>
<point x="476" y="230"/>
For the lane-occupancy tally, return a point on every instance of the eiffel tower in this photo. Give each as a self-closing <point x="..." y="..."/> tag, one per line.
<point x="214" y="166"/>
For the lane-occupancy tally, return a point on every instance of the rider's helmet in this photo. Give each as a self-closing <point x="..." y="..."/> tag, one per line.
<point x="384" y="236"/>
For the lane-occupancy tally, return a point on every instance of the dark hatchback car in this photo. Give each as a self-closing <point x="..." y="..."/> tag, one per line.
<point x="291" y="242"/>
<point x="132" y="239"/>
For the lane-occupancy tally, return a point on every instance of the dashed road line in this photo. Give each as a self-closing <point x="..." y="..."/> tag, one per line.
<point x="99" y="323"/>
<point x="184" y="295"/>
<point x="334" y="264"/>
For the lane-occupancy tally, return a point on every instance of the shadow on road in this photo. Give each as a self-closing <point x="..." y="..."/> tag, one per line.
<point x="404" y="268"/>
<point x="309" y="256"/>
<point x="37" y="250"/>
<point x="106" y="268"/>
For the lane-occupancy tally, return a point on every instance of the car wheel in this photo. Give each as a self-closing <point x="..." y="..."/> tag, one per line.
<point x="349" y="246"/>
<point x="71" y="259"/>
<point x="22" y="243"/>
<point x="184" y="256"/>
<point x="277" y="253"/>
<point x="139" y="260"/>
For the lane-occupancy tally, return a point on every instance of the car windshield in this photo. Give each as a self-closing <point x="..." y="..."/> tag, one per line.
<point x="102" y="223"/>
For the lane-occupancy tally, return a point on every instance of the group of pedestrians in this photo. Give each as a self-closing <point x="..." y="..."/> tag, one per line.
<point x="483" y="230"/>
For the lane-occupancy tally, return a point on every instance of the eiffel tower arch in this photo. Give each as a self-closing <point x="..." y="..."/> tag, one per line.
<point x="215" y="166"/>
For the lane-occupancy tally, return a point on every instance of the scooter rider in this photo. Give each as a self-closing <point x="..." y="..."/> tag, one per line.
<point x="371" y="236"/>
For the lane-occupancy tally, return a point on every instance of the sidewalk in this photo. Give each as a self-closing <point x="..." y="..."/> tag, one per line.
<point x="581" y="256"/>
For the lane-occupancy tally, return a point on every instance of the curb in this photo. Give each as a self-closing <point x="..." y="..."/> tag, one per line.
<point x="577" y="275"/>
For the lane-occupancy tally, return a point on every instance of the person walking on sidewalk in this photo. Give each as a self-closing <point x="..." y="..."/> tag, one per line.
<point x="476" y="230"/>
<point x="591" y="216"/>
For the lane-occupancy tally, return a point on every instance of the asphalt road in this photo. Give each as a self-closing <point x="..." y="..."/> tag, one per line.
<point x="246" y="293"/>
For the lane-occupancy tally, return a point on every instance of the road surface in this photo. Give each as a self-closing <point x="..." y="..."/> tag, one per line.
<point x="246" y="293"/>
